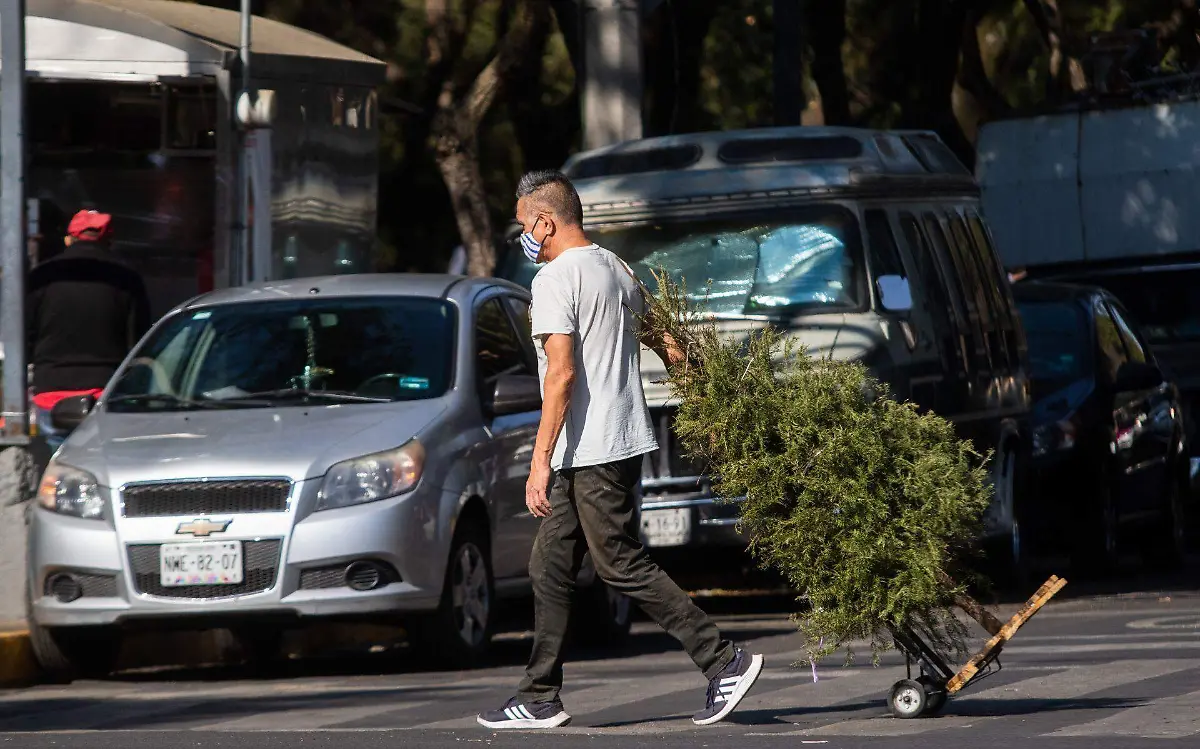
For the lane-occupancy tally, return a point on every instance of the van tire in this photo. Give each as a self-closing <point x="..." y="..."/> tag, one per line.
<point x="602" y="616"/>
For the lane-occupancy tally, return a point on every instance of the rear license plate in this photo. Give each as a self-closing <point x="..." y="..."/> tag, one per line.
<point x="667" y="527"/>
<point x="201" y="563"/>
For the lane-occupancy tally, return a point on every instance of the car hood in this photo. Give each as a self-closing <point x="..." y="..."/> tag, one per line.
<point x="297" y="442"/>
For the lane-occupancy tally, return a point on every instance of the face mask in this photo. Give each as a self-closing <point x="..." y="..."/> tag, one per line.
<point x="530" y="246"/>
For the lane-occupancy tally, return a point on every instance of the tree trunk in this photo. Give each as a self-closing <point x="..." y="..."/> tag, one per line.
<point x="674" y="56"/>
<point x="1062" y="77"/>
<point x="973" y="608"/>
<point x="973" y="76"/>
<point x="455" y="131"/>
<point x="827" y="18"/>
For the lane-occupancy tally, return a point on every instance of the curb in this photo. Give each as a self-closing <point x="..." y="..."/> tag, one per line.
<point x="17" y="665"/>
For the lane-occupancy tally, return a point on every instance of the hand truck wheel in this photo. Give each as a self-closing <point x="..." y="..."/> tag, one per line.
<point x="908" y="699"/>
<point x="935" y="695"/>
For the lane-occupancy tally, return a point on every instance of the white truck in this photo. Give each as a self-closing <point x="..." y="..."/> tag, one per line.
<point x="1109" y="197"/>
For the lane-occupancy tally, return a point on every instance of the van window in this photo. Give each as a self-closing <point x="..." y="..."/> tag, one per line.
<point x="964" y="259"/>
<point x="932" y="283"/>
<point x="1006" y="306"/>
<point x="809" y="258"/>
<point x="885" y="256"/>
<point x="961" y="287"/>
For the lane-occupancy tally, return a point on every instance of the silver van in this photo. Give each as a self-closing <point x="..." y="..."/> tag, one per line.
<point x="863" y="244"/>
<point x="349" y="447"/>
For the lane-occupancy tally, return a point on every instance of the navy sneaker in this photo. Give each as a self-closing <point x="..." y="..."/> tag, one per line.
<point x="727" y="688"/>
<point x="517" y="714"/>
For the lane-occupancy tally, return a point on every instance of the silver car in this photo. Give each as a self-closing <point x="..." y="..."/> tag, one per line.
<point x="350" y="447"/>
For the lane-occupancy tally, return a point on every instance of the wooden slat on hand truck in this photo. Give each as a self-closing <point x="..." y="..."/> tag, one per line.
<point x="996" y="644"/>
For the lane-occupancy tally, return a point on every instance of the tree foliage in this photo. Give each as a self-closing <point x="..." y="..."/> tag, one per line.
<point x="867" y="506"/>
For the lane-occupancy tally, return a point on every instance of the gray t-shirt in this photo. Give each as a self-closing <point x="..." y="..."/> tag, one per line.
<point x="589" y="293"/>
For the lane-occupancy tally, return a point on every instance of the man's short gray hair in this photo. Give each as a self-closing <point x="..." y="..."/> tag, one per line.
<point x="552" y="189"/>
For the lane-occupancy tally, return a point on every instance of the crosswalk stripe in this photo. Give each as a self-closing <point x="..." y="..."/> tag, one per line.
<point x="1070" y="683"/>
<point x="1167" y="718"/>
<point x="303" y="719"/>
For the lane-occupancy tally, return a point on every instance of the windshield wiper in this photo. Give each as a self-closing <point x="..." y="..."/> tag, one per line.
<point x="303" y="394"/>
<point x="165" y="399"/>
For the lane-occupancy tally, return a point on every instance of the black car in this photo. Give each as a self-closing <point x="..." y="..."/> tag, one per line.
<point x="1108" y="451"/>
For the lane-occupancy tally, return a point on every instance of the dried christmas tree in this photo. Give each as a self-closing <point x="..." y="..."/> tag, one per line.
<point x="867" y="506"/>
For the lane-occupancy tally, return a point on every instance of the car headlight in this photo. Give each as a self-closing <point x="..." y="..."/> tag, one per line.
<point x="1054" y="437"/>
<point x="372" y="477"/>
<point x="70" y="491"/>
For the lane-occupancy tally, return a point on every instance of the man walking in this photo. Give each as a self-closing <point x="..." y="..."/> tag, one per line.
<point x="86" y="310"/>
<point x="594" y="430"/>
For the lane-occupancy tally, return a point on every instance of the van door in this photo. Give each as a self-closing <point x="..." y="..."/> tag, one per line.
<point x="913" y="340"/>
<point x="933" y="291"/>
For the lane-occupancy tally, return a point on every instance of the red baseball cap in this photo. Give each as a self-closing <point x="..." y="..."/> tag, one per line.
<point x="89" y="221"/>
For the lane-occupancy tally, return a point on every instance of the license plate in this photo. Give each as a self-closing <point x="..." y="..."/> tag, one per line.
<point x="201" y="563"/>
<point x="667" y="527"/>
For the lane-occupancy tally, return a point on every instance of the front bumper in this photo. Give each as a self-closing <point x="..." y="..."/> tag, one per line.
<point x="292" y="564"/>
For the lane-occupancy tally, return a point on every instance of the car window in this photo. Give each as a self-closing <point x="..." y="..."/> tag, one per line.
<point x="1130" y="338"/>
<point x="498" y="350"/>
<point x="1060" y="351"/>
<point x="521" y="317"/>
<point x="1108" y="337"/>
<point x="284" y="353"/>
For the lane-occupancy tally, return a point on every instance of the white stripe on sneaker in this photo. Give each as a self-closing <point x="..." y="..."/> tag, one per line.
<point x="525" y="712"/>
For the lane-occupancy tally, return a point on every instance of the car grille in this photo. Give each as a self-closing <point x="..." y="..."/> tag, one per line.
<point x="667" y="467"/>
<point x="261" y="560"/>
<point x="205" y="497"/>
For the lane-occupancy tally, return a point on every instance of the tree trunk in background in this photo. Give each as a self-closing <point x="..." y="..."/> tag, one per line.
<point x="676" y="33"/>
<point x="1066" y="72"/>
<point x="935" y="48"/>
<point x="790" y="98"/>
<point x="973" y="77"/>
<point x="455" y="129"/>
<point x="827" y="19"/>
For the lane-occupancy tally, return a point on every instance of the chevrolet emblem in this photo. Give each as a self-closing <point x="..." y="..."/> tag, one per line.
<point x="201" y="527"/>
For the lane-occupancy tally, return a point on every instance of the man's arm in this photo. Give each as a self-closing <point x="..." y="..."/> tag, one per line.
<point x="556" y="398"/>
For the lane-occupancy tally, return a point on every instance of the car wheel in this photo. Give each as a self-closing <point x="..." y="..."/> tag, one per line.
<point x="459" y="633"/>
<point x="1098" y="548"/>
<point x="68" y="653"/>
<point x="1166" y="545"/>
<point x="602" y="615"/>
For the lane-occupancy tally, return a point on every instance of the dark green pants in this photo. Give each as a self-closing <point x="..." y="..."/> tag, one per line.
<point x="595" y="508"/>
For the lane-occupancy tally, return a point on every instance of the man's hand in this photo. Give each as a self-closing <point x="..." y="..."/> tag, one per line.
<point x="536" y="488"/>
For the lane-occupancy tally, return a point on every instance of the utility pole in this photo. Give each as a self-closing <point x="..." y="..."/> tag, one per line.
<point x="789" y="45"/>
<point x="12" y="221"/>
<point x="245" y="104"/>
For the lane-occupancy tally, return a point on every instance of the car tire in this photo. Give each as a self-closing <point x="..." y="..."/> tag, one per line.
<point x="602" y="616"/>
<point x="1097" y="547"/>
<point x="1165" y="546"/>
<point x="68" y="653"/>
<point x="459" y="633"/>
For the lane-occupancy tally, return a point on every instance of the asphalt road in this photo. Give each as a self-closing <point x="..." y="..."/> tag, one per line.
<point x="1096" y="671"/>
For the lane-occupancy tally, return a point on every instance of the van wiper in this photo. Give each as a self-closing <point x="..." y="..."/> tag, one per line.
<point x="304" y="394"/>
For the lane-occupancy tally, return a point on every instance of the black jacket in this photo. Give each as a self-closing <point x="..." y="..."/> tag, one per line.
<point x="85" y="312"/>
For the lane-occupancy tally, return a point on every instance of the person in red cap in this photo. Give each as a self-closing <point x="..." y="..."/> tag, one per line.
<point x="86" y="310"/>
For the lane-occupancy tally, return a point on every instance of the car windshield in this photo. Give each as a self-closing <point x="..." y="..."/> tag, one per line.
<point x="804" y="259"/>
<point x="1164" y="305"/>
<point x="1060" y="350"/>
<point x="282" y="353"/>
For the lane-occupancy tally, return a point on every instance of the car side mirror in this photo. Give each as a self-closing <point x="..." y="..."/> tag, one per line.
<point x="894" y="293"/>
<point x="70" y="412"/>
<point x="516" y="394"/>
<point x="1133" y="376"/>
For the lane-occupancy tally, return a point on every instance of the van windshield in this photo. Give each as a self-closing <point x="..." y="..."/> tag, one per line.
<point x="296" y="352"/>
<point x="801" y="259"/>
